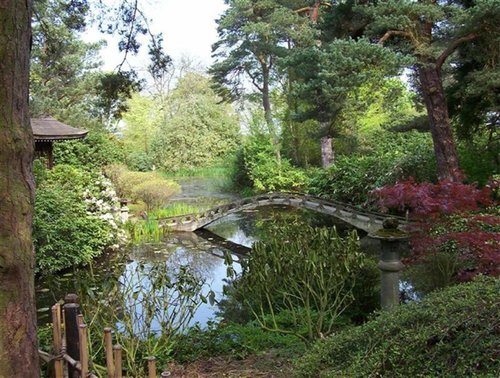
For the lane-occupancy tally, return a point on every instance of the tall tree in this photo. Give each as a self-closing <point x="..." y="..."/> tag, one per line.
<point x="198" y="129"/>
<point x="431" y="31"/>
<point x="253" y="35"/>
<point x="328" y="74"/>
<point x="63" y="76"/>
<point x="18" y="344"/>
<point x="141" y="123"/>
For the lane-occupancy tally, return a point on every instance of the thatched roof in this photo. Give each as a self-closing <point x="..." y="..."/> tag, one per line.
<point x="49" y="129"/>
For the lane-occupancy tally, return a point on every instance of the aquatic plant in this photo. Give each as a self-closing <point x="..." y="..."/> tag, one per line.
<point x="175" y="209"/>
<point x="145" y="230"/>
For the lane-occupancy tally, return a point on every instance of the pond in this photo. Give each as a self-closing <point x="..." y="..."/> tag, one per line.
<point x="135" y="273"/>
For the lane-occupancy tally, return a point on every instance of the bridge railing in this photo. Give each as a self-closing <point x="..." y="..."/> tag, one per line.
<point x="271" y="197"/>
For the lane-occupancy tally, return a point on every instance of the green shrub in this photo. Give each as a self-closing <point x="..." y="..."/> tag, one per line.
<point x="63" y="236"/>
<point x="155" y="192"/>
<point x="97" y="150"/>
<point x="75" y="218"/>
<point x="140" y="161"/>
<point x="308" y="272"/>
<point x="148" y="187"/>
<point x="451" y="333"/>
<point x="263" y="170"/>
<point x="396" y="156"/>
<point x="477" y="161"/>
<point x="366" y="293"/>
<point x="114" y="172"/>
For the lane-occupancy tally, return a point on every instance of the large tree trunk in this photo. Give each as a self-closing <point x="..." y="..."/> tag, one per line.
<point x="442" y="136"/>
<point x="327" y="155"/>
<point x="18" y="344"/>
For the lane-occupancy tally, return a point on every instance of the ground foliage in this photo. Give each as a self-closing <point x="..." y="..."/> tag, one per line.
<point x="231" y="339"/>
<point x="451" y="333"/>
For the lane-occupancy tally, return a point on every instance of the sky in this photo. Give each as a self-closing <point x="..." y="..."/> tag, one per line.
<point x="188" y="28"/>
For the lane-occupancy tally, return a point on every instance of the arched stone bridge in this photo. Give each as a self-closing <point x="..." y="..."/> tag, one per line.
<point x="367" y="221"/>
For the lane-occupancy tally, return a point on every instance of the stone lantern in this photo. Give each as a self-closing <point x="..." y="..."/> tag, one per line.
<point x="390" y="265"/>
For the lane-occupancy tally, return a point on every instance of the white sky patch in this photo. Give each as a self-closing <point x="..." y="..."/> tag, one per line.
<point x="188" y="27"/>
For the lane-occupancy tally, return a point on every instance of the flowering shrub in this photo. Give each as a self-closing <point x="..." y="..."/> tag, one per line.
<point x="102" y="202"/>
<point x="75" y="220"/>
<point x="458" y="225"/>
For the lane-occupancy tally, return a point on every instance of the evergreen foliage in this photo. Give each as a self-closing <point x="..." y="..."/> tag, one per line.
<point x="451" y="333"/>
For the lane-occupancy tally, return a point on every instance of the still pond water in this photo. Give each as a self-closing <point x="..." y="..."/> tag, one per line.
<point x="202" y="251"/>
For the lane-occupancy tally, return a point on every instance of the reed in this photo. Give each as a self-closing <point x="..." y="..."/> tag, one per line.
<point x="149" y="230"/>
<point x="215" y="171"/>
<point x="176" y="209"/>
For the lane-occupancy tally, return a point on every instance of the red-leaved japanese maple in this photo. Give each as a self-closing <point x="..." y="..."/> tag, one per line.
<point x="426" y="199"/>
<point x="450" y="216"/>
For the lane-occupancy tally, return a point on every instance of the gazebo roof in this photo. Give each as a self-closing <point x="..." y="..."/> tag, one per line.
<point x="49" y="129"/>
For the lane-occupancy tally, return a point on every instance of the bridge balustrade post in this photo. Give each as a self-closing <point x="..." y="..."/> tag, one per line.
<point x="390" y="263"/>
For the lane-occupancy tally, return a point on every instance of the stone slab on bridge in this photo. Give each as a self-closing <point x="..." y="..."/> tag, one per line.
<point x="366" y="221"/>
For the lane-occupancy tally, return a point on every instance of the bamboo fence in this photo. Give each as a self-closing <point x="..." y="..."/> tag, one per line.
<point x="71" y="346"/>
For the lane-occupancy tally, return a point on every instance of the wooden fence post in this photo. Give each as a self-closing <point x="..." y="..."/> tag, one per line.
<point x="151" y="367"/>
<point x="57" y="340"/>
<point x="84" y="351"/>
<point x="71" y="312"/>
<point x="117" y="351"/>
<point x="108" y="346"/>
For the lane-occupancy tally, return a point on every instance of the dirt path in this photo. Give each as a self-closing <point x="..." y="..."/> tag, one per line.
<point x="256" y="366"/>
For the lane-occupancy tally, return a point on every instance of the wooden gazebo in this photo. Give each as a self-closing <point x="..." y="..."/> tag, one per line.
<point x="48" y="130"/>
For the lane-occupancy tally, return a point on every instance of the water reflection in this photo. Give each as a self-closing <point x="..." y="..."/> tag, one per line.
<point x="202" y="257"/>
<point x="203" y="253"/>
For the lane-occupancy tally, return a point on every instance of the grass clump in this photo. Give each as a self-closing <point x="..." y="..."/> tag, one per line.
<point x="451" y="333"/>
<point x="176" y="209"/>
